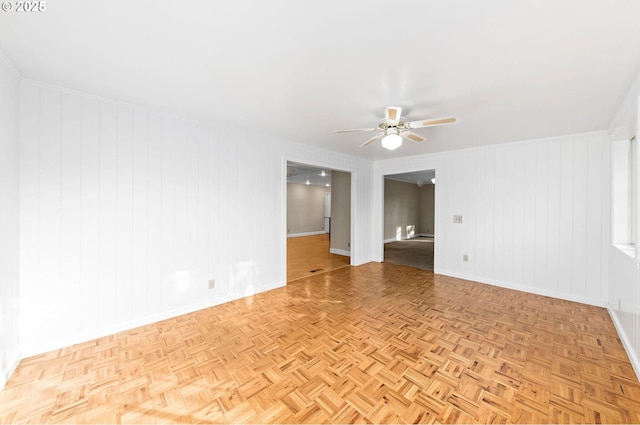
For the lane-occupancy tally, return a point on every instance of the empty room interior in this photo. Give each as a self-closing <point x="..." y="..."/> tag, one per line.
<point x="148" y="210"/>
<point x="318" y="220"/>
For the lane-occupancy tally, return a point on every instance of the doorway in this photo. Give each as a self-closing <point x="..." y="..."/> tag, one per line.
<point x="318" y="220"/>
<point x="409" y="219"/>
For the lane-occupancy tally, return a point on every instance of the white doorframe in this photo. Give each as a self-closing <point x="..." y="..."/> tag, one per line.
<point x="283" y="238"/>
<point x="327" y="212"/>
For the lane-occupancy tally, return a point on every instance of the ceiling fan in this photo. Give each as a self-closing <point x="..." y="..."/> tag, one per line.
<point x="392" y="129"/>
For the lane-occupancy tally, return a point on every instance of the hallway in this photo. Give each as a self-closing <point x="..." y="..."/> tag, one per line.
<point x="309" y="255"/>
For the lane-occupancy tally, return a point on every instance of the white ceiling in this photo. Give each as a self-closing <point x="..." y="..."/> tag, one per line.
<point x="306" y="174"/>
<point x="416" y="177"/>
<point x="509" y="70"/>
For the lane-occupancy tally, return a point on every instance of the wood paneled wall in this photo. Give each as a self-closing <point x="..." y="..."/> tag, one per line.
<point x="624" y="277"/>
<point x="126" y="214"/>
<point x="535" y="214"/>
<point x="9" y="220"/>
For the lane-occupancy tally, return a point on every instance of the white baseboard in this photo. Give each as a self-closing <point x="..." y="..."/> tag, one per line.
<point x="8" y="370"/>
<point x="428" y="235"/>
<point x="523" y="288"/>
<point x="32" y="350"/>
<point x="340" y="252"/>
<point x="296" y="235"/>
<point x="626" y="343"/>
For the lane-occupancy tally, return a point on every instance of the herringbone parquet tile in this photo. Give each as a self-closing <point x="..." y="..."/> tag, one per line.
<point x="377" y="343"/>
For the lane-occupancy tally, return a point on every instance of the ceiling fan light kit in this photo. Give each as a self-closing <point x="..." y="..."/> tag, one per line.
<point x="393" y="130"/>
<point x="392" y="140"/>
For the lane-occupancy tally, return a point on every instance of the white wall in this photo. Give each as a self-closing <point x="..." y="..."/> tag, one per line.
<point x="126" y="213"/>
<point x="624" y="277"/>
<point x="535" y="214"/>
<point x="9" y="220"/>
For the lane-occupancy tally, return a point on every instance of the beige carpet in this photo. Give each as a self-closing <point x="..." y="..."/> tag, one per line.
<point x="417" y="252"/>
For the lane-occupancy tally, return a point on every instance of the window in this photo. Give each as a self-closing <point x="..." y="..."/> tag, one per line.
<point x="632" y="188"/>
<point x="625" y="186"/>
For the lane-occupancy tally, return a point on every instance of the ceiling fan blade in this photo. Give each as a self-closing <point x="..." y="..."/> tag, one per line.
<point x="430" y="122"/>
<point x="354" y="130"/>
<point x="392" y="115"/>
<point x="371" y="140"/>
<point x="413" y="136"/>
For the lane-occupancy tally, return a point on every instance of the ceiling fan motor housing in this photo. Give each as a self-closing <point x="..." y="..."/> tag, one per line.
<point x="392" y="129"/>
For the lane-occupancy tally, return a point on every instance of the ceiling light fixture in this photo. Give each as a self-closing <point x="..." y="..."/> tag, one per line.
<point x="433" y="180"/>
<point x="308" y="181"/>
<point x="392" y="140"/>
<point x="323" y="173"/>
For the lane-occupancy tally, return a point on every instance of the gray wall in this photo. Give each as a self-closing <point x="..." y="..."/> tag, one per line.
<point x="427" y="209"/>
<point x="340" y="212"/>
<point x="305" y="208"/>
<point x="401" y="209"/>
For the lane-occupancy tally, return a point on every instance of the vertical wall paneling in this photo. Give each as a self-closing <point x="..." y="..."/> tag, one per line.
<point x="491" y="199"/>
<point x="9" y="218"/>
<point x="551" y="248"/>
<point x="108" y="289"/>
<point x="29" y="207"/>
<point x="596" y="177"/>
<point x="139" y="213"/>
<point x="499" y="225"/>
<point x="540" y="212"/>
<point x="579" y="220"/>
<point x="89" y="216"/>
<point x="70" y="203"/>
<point x="153" y="216"/>
<point x="518" y="196"/>
<point x="528" y="213"/>
<point x="565" y="238"/>
<point x="606" y="229"/>
<point x="528" y="223"/>
<point x="49" y="290"/>
<point x="623" y="273"/>
<point x="126" y="214"/>
<point x="202" y="215"/>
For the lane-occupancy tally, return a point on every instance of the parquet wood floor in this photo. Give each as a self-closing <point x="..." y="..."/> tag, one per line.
<point x="309" y="255"/>
<point x="379" y="343"/>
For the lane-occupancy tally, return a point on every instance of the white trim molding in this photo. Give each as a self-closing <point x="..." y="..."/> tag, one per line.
<point x="12" y="68"/>
<point x="626" y="342"/>
<point x="8" y="370"/>
<point x="340" y="252"/>
<point x="297" y="235"/>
